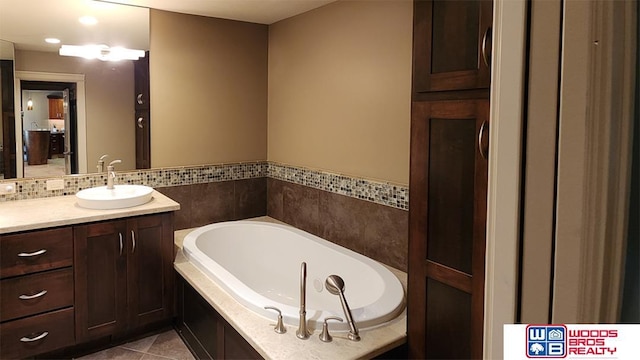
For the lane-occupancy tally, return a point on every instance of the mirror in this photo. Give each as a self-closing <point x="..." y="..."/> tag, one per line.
<point x="7" y="156"/>
<point x="97" y="98"/>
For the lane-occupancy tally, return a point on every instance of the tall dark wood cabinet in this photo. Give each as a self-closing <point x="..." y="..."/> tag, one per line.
<point x="142" y="103"/>
<point x="448" y="181"/>
<point x="452" y="41"/>
<point x="124" y="277"/>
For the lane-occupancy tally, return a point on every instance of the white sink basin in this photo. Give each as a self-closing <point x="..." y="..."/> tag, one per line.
<point x="121" y="196"/>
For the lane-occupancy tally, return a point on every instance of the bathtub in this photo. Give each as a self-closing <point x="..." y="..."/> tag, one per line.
<point x="258" y="263"/>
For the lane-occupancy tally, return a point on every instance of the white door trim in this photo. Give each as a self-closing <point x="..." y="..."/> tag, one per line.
<point x="78" y="79"/>
<point x="503" y="196"/>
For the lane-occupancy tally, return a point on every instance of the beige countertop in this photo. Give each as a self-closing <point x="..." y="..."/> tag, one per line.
<point x="258" y="330"/>
<point x="22" y="215"/>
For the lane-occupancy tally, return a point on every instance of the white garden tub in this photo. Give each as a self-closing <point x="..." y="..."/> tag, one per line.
<point x="258" y="263"/>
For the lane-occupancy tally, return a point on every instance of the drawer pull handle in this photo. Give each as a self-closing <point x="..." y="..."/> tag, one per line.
<point x="39" y="252"/>
<point x="39" y="337"/>
<point x="133" y="237"/>
<point x="29" y="297"/>
<point x="120" y="235"/>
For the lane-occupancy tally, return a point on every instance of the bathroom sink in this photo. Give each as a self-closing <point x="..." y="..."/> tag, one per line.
<point x="121" y="196"/>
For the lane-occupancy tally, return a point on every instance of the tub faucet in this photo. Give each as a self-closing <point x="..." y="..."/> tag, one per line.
<point x="100" y="165"/>
<point x="111" y="174"/>
<point x="303" y="332"/>
<point x="335" y="285"/>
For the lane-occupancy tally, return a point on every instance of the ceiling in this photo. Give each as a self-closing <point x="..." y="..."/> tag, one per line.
<point x="27" y="23"/>
<point x="255" y="11"/>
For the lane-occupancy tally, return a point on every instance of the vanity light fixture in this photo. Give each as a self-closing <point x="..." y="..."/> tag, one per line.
<point x="101" y="52"/>
<point x="52" y="40"/>
<point x="29" y="103"/>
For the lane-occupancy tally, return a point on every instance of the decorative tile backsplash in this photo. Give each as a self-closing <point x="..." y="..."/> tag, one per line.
<point x="379" y="192"/>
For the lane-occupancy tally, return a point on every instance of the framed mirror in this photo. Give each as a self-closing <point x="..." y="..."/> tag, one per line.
<point x="96" y="98"/>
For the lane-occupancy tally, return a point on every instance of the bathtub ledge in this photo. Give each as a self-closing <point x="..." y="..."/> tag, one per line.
<point x="258" y="331"/>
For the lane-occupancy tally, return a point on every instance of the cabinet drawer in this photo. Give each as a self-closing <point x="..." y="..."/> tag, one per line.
<point x="37" y="334"/>
<point x="36" y="293"/>
<point x="29" y="252"/>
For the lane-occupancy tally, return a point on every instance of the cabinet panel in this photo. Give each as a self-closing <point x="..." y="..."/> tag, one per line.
<point x="56" y="108"/>
<point x="37" y="334"/>
<point x="454" y="33"/>
<point x="150" y="280"/>
<point x="123" y="275"/>
<point x="447" y="216"/>
<point x="450" y="202"/>
<point x="36" y="293"/>
<point x="448" y="315"/>
<point x="33" y="251"/>
<point x="452" y="45"/>
<point x="100" y="268"/>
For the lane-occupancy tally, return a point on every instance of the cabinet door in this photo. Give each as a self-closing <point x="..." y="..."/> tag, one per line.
<point x="447" y="215"/>
<point x="452" y="45"/>
<point x="150" y="289"/>
<point x="56" y="109"/>
<point x="100" y="261"/>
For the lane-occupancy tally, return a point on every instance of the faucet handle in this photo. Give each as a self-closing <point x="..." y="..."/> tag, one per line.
<point x="280" y="329"/>
<point x="117" y="161"/>
<point x="103" y="157"/>
<point x="324" y="335"/>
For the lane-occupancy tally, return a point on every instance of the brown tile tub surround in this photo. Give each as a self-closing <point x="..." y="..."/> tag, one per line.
<point x="377" y="231"/>
<point x="202" y="204"/>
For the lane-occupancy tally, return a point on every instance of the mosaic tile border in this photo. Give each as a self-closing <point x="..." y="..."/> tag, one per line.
<point x="156" y="178"/>
<point x="378" y="192"/>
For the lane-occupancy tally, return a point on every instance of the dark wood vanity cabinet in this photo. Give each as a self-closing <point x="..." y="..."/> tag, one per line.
<point x="124" y="275"/>
<point x="448" y="178"/>
<point x="56" y="144"/>
<point x="36" y="292"/>
<point x="452" y="45"/>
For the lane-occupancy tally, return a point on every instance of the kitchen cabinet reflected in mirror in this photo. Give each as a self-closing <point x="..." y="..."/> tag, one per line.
<point x="87" y="107"/>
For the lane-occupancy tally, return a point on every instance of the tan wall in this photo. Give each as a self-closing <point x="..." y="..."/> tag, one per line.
<point x="109" y="106"/>
<point x="208" y="90"/>
<point x="340" y="89"/>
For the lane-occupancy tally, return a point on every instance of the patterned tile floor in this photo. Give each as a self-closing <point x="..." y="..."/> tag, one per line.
<point x="163" y="346"/>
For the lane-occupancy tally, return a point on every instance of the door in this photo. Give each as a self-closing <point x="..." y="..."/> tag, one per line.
<point x="150" y="269"/>
<point x="100" y="261"/>
<point x="452" y="45"/>
<point x="448" y="185"/>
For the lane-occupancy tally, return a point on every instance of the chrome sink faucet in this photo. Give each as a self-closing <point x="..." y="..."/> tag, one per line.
<point x="303" y="332"/>
<point x="111" y="174"/>
<point x="100" y="165"/>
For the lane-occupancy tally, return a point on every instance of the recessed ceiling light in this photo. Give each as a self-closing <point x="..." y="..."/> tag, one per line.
<point x="88" y="20"/>
<point x="52" y="40"/>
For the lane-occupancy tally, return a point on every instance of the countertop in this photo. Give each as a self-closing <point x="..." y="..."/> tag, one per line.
<point x="22" y="215"/>
<point x="258" y="330"/>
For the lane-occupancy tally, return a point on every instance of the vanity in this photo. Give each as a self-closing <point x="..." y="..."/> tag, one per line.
<point x="71" y="277"/>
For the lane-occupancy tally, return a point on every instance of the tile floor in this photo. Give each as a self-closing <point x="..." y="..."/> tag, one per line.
<point x="54" y="167"/>
<point x="163" y="346"/>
